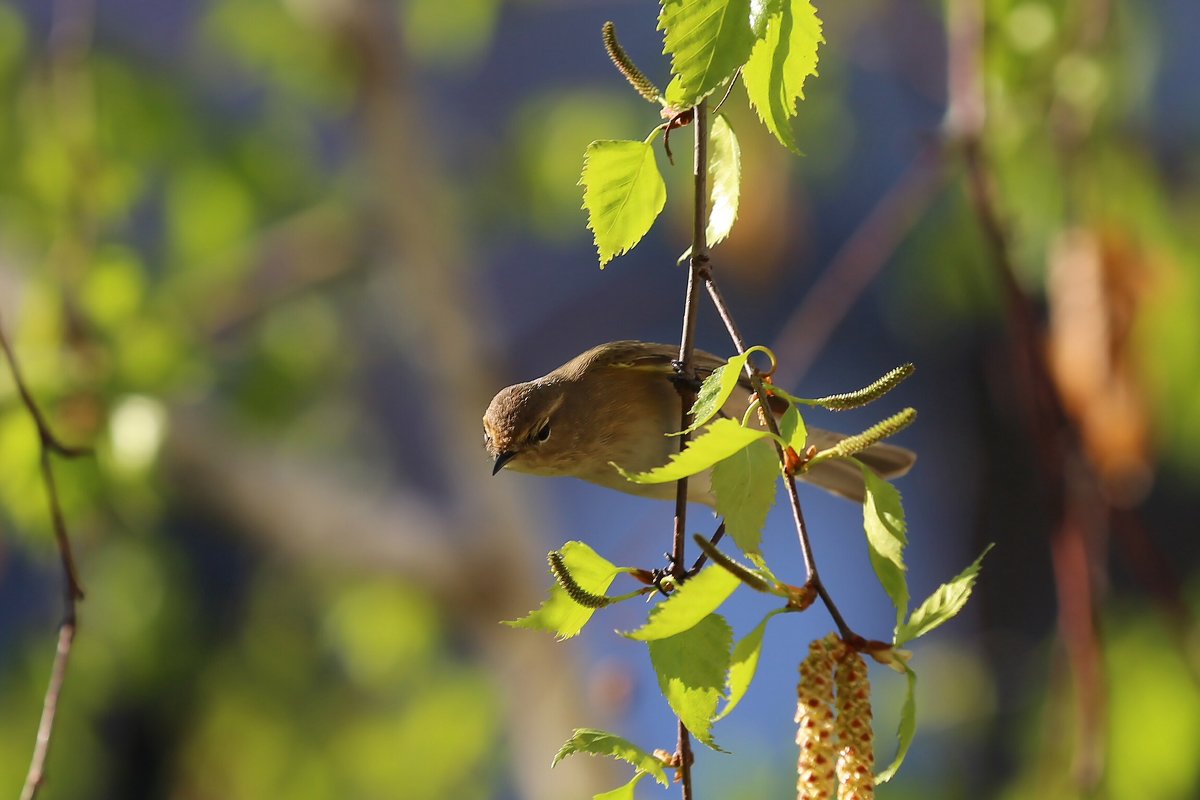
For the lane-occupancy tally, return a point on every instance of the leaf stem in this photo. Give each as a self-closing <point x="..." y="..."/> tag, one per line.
<point x="718" y="534"/>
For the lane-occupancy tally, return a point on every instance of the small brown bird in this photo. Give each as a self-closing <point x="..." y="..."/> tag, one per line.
<point x="616" y="403"/>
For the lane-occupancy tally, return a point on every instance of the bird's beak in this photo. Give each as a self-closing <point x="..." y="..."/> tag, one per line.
<point x="501" y="460"/>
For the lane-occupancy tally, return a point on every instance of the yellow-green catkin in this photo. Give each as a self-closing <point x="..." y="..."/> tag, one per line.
<point x="855" y="740"/>
<point x="815" y="777"/>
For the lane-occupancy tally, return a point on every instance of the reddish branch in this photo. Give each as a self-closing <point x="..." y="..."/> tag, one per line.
<point x="810" y="562"/>
<point x="1067" y="477"/>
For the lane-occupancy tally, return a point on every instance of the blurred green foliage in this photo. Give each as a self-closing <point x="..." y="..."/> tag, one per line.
<point x="151" y="252"/>
<point x="180" y="229"/>
<point x="1153" y="720"/>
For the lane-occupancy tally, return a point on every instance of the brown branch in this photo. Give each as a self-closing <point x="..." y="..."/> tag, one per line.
<point x="698" y="268"/>
<point x="72" y="588"/>
<point x="810" y="563"/>
<point x="1072" y="488"/>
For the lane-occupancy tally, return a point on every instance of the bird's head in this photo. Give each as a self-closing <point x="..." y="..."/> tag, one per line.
<point x="519" y="427"/>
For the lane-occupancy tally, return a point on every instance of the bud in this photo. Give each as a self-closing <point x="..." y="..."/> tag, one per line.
<point x="855" y="740"/>
<point x="814" y="718"/>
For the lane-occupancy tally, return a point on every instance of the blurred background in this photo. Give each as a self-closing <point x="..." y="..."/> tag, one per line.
<point x="272" y="258"/>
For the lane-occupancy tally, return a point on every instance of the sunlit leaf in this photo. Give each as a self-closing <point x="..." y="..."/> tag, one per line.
<point x="744" y="664"/>
<point x="722" y="439"/>
<point x="744" y="485"/>
<point x="725" y="173"/>
<point x="779" y="64"/>
<point x="761" y="12"/>
<point x="883" y="521"/>
<point x="691" y="668"/>
<point x="623" y="193"/>
<point x="602" y="743"/>
<point x="793" y="430"/>
<point x="559" y="613"/>
<point x="715" y="391"/>
<point x="906" y="730"/>
<point x="691" y="602"/>
<point x="707" y="40"/>
<point x="942" y="605"/>
<point x="622" y="792"/>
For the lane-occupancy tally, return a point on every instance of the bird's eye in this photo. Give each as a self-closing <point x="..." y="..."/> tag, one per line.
<point x="543" y="432"/>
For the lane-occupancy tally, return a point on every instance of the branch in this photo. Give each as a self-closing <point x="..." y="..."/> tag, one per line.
<point x="72" y="589"/>
<point x="698" y="268"/>
<point x="1070" y="482"/>
<point x="810" y="563"/>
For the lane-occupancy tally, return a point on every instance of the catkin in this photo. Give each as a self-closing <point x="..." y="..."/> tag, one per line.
<point x="815" y="723"/>
<point x="855" y="745"/>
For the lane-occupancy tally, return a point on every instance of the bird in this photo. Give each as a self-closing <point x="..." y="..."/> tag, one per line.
<point x="617" y="403"/>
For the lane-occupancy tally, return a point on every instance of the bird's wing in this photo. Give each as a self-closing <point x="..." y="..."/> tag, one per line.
<point x="843" y="477"/>
<point x="840" y="476"/>
<point x="631" y="354"/>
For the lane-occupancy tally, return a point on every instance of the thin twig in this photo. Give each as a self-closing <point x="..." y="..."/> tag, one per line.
<point x="728" y="89"/>
<point x="810" y="563"/>
<point x="687" y="345"/>
<point x="72" y="589"/>
<point x="49" y="444"/>
<point x="58" y="672"/>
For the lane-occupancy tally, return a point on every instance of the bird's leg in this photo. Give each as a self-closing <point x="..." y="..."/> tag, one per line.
<point x="661" y="574"/>
<point x="688" y="382"/>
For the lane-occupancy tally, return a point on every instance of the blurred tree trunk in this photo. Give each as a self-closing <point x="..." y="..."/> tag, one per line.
<point x="476" y="551"/>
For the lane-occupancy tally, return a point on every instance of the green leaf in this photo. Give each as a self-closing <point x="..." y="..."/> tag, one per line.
<point x="718" y="386"/>
<point x="908" y="727"/>
<point x="691" y="668"/>
<point x="691" y="602"/>
<point x="783" y="58"/>
<point x="559" y="613"/>
<point x="623" y="193"/>
<point x="744" y="485"/>
<point x="744" y="664"/>
<point x="793" y="430"/>
<point x="761" y="12"/>
<point x="602" y="743"/>
<point x="622" y="792"/>
<point x="883" y="521"/>
<point x="715" y="391"/>
<point x="707" y="40"/>
<point x="722" y="439"/>
<point x="942" y="605"/>
<point x="725" y="172"/>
